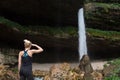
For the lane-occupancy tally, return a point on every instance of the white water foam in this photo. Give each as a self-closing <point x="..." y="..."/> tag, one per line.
<point x="82" y="34"/>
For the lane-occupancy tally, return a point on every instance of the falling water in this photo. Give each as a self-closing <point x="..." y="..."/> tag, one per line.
<point x="82" y="34"/>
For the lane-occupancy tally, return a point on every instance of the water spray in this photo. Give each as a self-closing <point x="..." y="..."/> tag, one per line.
<point x="82" y="48"/>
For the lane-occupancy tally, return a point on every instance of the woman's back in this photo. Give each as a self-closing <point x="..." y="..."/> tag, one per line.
<point x="26" y="59"/>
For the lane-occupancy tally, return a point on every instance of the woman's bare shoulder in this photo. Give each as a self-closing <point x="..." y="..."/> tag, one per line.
<point x="21" y="52"/>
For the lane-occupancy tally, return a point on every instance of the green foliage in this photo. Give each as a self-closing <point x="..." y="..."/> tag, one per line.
<point x="112" y="35"/>
<point x="97" y="11"/>
<point x="115" y="61"/>
<point x="113" y="77"/>
<point x="114" y="74"/>
<point x="110" y="5"/>
<point x="63" y="32"/>
<point x="60" y="32"/>
<point x="8" y="22"/>
<point x="13" y="24"/>
<point x="102" y="15"/>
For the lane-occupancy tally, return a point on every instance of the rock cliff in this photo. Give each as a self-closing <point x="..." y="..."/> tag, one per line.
<point x="59" y="49"/>
<point x="44" y="12"/>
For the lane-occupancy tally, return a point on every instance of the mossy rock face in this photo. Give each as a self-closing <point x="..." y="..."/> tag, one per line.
<point x="98" y="47"/>
<point x="103" y="16"/>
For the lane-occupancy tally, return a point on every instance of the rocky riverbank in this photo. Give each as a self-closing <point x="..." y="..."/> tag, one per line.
<point x="58" y="71"/>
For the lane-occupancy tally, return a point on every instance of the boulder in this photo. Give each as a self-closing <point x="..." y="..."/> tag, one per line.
<point x="64" y="72"/>
<point x="85" y="65"/>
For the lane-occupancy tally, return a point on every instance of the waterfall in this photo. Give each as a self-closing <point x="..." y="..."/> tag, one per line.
<point x="82" y="48"/>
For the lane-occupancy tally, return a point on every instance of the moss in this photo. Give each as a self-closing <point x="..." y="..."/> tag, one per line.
<point x="111" y="35"/>
<point x="103" y="15"/>
<point x="108" y="5"/>
<point x="43" y="30"/>
<point x="60" y="32"/>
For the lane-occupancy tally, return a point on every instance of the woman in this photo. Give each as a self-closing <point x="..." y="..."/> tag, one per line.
<point x="25" y="60"/>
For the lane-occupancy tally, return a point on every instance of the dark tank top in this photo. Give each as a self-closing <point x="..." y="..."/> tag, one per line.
<point x="26" y="59"/>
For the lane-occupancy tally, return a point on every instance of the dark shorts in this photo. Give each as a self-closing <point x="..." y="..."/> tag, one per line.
<point x="26" y="73"/>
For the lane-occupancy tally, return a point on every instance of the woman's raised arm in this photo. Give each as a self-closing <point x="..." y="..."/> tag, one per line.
<point x="38" y="50"/>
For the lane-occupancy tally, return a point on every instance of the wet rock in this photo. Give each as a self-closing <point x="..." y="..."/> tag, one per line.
<point x="86" y="67"/>
<point x="64" y="72"/>
<point x="40" y="73"/>
<point x="97" y="75"/>
<point x="88" y="77"/>
<point x="47" y="77"/>
<point x="85" y="64"/>
<point x="59" y="71"/>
